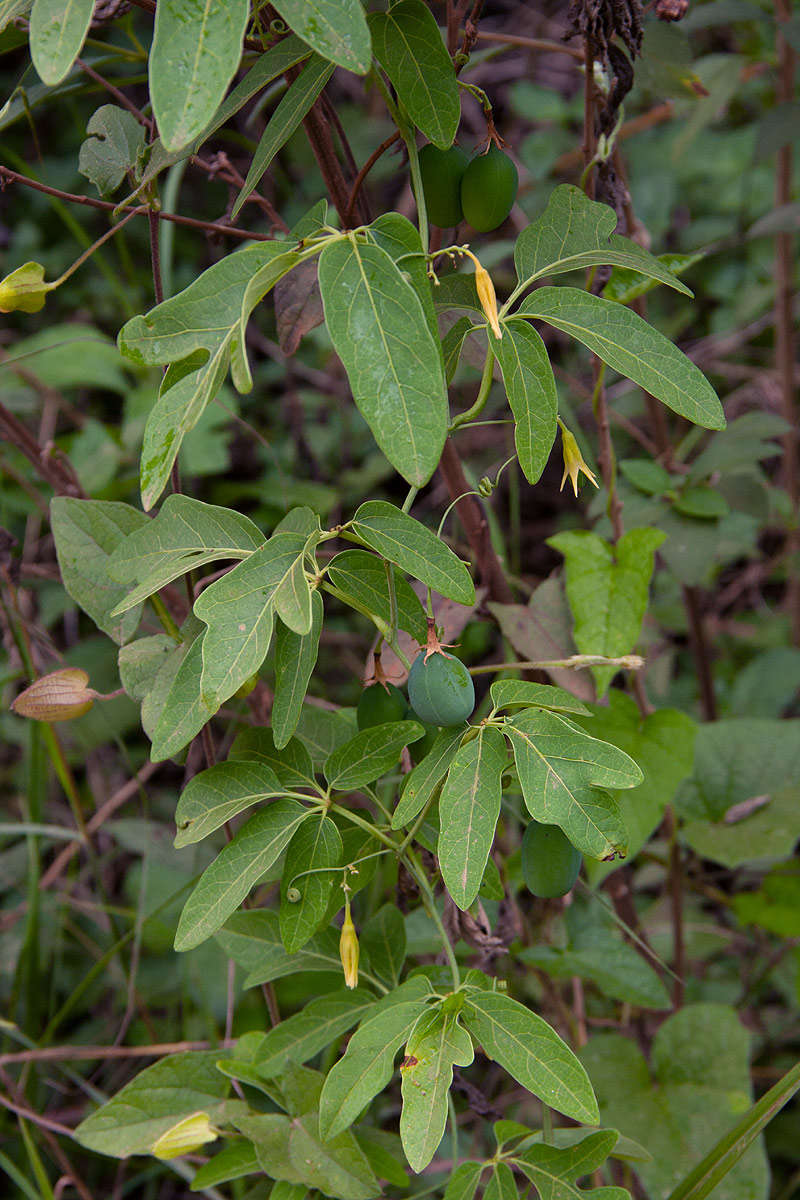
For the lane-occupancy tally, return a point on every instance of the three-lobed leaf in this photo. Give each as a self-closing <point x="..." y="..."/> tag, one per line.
<point x="216" y="795"/>
<point x="237" y="868"/>
<point x="437" y="1044"/>
<point x="301" y="1036"/>
<point x="370" y="754"/>
<point x="607" y="589"/>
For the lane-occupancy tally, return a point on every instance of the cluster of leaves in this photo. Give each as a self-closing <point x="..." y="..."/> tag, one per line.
<point x="419" y="827"/>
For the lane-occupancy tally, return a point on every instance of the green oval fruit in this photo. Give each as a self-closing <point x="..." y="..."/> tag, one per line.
<point x="550" y="862"/>
<point x="440" y="690"/>
<point x="488" y="189"/>
<point x="441" y="172"/>
<point x="378" y="705"/>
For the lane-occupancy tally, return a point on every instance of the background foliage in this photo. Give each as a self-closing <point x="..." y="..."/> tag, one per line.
<point x="168" y="968"/>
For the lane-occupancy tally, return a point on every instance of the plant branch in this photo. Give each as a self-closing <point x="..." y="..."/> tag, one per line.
<point x="476" y="527"/>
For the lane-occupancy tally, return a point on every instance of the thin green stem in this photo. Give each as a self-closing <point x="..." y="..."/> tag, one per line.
<point x="416" y="869"/>
<point x="367" y="826"/>
<point x="167" y="623"/>
<point x="482" y="397"/>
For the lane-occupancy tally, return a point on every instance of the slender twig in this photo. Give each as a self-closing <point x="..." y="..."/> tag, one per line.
<point x="90" y="1053"/>
<point x="475" y="525"/>
<point x="9" y="176"/>
<point x="118" y="95"/>
<point x="529" y="43"/>
<point x="675" y="876"/>
<point x="699" y="647"/>
<point x="365" y="170"/>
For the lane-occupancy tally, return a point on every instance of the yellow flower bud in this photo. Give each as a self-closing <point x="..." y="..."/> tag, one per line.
<point x="59" y="696"/>
<point x="573" y="460"/>
<point x="348" y="949"/>
<point x="184" y="1138"/>
<point x="487" y="297"/>
<point x="24" y="289"/>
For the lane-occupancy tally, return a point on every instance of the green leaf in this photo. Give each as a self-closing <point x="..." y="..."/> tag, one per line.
<point x="574" y="232"/>
<point x="452" y="343"/>
<point x="362" y="580"/>
<point x="508" y="692"/>
<point x="596" y="952"/>
<point x="370" y="754"/>
<point x="268" y="66"/>
<point x="270" y="1134"/>
<point x="532" y="1053"/>
<point x="86" y="533"/>
<point x="468" y="810"/>
<point x="253" y="940"/>
<point x="336" y="1166"/>
<point x="553" y="1170"/>
<point x="560" y="770"/>
<point x="400" y="239"/>
<point x="237" y="868"/>
<point x="218" y="794"/>
<point x="201" y="331"/>
<point x="185" y="710"/>
<point x="185" y="535"/>
<point x="662" y="746"/>
<point x="336" y="29"/>
<point x="463" y="1182"/>
<point x="422" y="781"/>
<point x="11" y="9"/>
<point x="379" y="330"/>
<point x="501" y="1185"/>
<point x="302" y="1036"/>
<point x="288" y="114"/>
<point x="625" y="285"/>
<point x="632" y="347"/>
<point x="234" y="1161"/>
<point x="648" y="477"/>
<point x="709" y="1172"/>
<point x="323" y="730"/>
<point x="414" y="548"/>
<point x="239" y="612"/>
<point x="295" y="658"/>
<point x="437" y="1044"/>
<point x="607" y="590"/>
<point x="58" y="29"/>
<point x="368" y="1063"/>
<point x="705" y="503"/>
<point x="115" y="141"/>
<point x="383" y="940"/>
<point x="697" y="1086"/>
<point x="153" y="1102"/>
<point x="407" y="43"/>
<point x="292" y="763"/>
<point x="316" y="844"/>
<point x="140" y="662"/>
<point x="531" y="391"/>
<point x="195" y="53"/>
<point x="735" y="761"/>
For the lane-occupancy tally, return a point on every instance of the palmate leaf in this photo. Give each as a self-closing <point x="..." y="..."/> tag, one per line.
<point x="305" y="886"/>
<point x="239" y="609"/>
<point x="380" y="332"/>
<point x="215" y="796"/>
<point x="561" y="770"/>
<point x="302" y="1036"/>
<point x="468" y="810"/>
<point x="576" y="232"/>
<point x="437" y="1044"/>
<point x="628" y="344"/>
<point x="186" y="534"/>
<point x="553" y="1170"/>
<point x="532" y="1053"/>
<point x="153" y="1102"/>
<point x="236" y="869"/>
<point x="370" y="754"/>
<point x="201" y="331"/>
<point x="607" y="590"/>
<point x="368" y="1063"/>
<point x="413" y="547"/>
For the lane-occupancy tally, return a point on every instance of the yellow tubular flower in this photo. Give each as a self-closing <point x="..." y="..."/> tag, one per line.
<point x="348" y="948"/>
<point x="574" y="461"/>
<point x="487" y="297"/>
